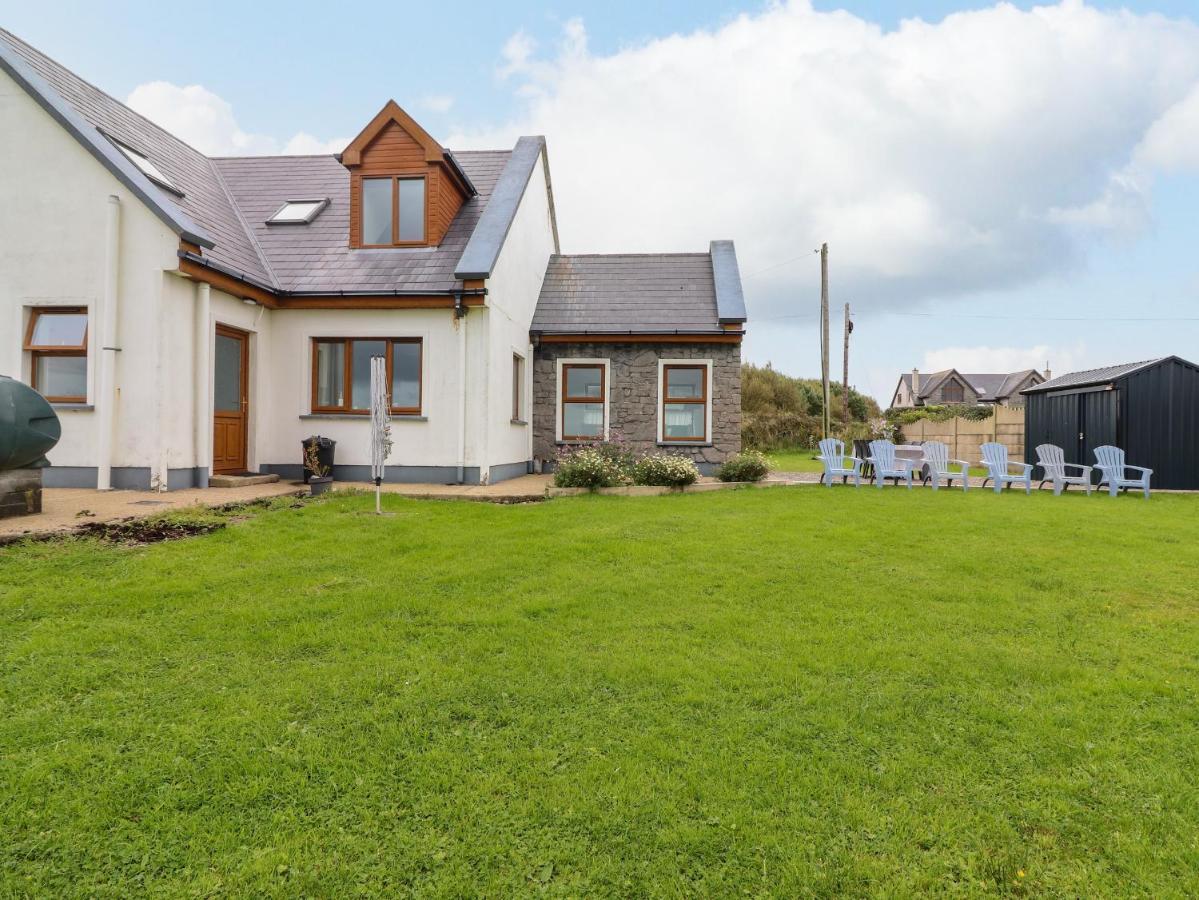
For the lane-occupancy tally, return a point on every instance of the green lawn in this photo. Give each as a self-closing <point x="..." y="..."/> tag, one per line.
<point x="795" y="460"/>
<point x="789" y="692"/>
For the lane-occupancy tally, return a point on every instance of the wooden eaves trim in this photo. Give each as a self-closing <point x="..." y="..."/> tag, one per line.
<point x="392" y="112"/>
<point x="617" y="338"/>
<point x="246" y="291"/>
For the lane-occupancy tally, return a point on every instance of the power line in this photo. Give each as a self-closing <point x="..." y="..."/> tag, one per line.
<point x="1029" y="319"/>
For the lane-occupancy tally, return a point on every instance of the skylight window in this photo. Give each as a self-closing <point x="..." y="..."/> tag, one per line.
<point x="147" y="168"/>
<point x="298" y="212"/>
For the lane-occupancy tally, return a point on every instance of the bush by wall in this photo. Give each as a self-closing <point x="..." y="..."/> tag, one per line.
<point x="665" y="470"/>
<point x="940" y="413"/>
<point x="590" y="467"/>
<point x="748" y="465"/>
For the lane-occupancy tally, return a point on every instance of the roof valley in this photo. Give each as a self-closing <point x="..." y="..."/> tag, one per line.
<point x="262" y="257"/>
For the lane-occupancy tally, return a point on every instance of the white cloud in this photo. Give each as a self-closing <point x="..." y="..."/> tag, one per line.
<point x="203" y="119"/>
<point x="438" y="103"/>
<point x="1004" y="359"/>
<point x="936" y="159"/>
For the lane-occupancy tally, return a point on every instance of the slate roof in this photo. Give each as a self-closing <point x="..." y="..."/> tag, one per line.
<point x="629" y="293"/>
<point x="317" y="257"/>
<point x="989" y="386"/>
<point x="1092" y="376"/>
<point x="225" y="201"/>
<point x="82" y="110"/>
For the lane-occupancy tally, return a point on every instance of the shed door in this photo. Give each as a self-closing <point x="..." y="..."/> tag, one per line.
<point x="1097" y="423"/>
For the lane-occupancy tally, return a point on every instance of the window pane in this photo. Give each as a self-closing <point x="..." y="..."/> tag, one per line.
<point x="59" y="329"/>
<point x="62" y="376"/>
<point x="360" y="371"/>
<point x="376" y="210"/>
<point x="583" y="381"/>
<point x="412" y="209"/>
<point x="518" y="385"/>
<point x="295" y="212"/>
<point x="226" y="380"/>
<point x="405" y="375"/>
<point x="583" y="420"/>
<point x="330" y="374"/>
<point x="682" y="384"/>
<point x="684" y="420"/>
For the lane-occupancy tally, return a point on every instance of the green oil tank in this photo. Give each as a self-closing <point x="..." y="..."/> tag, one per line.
<point x="29" y="427"/>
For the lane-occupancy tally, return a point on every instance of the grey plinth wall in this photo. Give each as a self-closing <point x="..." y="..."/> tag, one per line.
<point x="633" y="395"/>
<point x="20" y="492"/>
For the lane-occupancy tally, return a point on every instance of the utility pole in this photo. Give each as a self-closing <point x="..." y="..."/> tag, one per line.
<point x="845" y="371"/>
<point x="824" y="336"/>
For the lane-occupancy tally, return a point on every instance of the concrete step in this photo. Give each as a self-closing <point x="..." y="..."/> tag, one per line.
<point x="228" y="481"/>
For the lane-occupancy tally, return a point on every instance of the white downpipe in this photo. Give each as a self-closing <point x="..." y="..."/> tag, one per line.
<point x="106" y="390"/>
<point x="203" y="377"/>
<point x="461" y="323"/>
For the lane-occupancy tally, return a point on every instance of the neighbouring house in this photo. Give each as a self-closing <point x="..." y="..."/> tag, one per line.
<point x="1149" y="409"/>
<point x="952" y="386"/>
<point x="189" y="315"/>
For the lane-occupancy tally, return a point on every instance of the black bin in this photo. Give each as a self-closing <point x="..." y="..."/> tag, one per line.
<point x="324" y="454"/>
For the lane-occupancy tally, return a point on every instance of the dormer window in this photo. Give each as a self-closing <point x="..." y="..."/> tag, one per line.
<point x="405" y="188"/>
<point x="147" y="168"/>
<point x="298" y="212"/>
<point x="393" y="211"/>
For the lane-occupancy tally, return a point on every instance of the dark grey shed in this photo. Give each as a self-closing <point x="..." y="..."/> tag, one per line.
<point x="1148" y="409"/>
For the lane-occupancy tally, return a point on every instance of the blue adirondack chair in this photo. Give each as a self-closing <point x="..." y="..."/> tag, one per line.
<point x="1110" y="461"/>
<point x="1052" y="460"/>
<point x="887" y="465"/>
<point x="999" y="469"/>
<point x="936" y="457"/>
<point x="833" y="458"/>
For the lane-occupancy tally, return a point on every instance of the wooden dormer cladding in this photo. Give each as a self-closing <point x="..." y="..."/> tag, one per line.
<point x="394" y="145"/>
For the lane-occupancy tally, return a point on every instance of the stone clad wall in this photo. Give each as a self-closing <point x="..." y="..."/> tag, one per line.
<point x="633" y="395"/>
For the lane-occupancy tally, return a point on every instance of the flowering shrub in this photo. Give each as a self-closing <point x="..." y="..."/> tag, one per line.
<point x="748" y="465"/>
<point x="665" y="470"/>
<point x="590" y="467"/>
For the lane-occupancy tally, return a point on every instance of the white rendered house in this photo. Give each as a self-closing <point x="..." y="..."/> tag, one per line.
<point x="189" y="315"/>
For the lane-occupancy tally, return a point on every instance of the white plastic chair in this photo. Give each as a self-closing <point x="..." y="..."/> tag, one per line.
<point x="888" y="465"/>
<point x="997" y="465"/>
<point x="936" y="457"/>
<point x="1110" y="462"/>
<point x="1052" y="459"/>
<point x="833" y="458"/>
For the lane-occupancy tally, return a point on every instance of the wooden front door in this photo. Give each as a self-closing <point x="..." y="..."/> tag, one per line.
<point x="231" y="407"/>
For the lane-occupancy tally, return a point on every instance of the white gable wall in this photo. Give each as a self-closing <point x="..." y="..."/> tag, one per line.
<point x="52" y="246"/>
<point x="513" y="289"/>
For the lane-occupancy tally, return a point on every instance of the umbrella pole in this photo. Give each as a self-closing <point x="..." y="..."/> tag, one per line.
<point x="378" y="494"/>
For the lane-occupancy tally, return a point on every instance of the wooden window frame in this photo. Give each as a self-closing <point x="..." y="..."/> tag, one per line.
<point x="37" y="351"/>
<point x="518" y="387"/>
<point x="395" y="210"/>
<point x="701" y="401"/>
<point x="565" y="398"/>
<point x="348" y="380"/>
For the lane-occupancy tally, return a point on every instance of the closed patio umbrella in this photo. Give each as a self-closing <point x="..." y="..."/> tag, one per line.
<point x="380" y="425"/>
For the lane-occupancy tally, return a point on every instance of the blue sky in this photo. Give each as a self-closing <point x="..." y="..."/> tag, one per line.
<point x="981" y="212"/>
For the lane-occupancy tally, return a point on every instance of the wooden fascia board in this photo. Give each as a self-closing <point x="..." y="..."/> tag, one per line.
<point x="392" y="112"/>
<point x="228" y="283"/>
<point x="242" y="290"/>
<point x="612" y="338"/>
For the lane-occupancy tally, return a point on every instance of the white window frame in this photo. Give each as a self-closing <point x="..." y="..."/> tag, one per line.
<point x="660" y="401"/>
<point x="321" y="203"/>
<point x="581" y="361"/>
